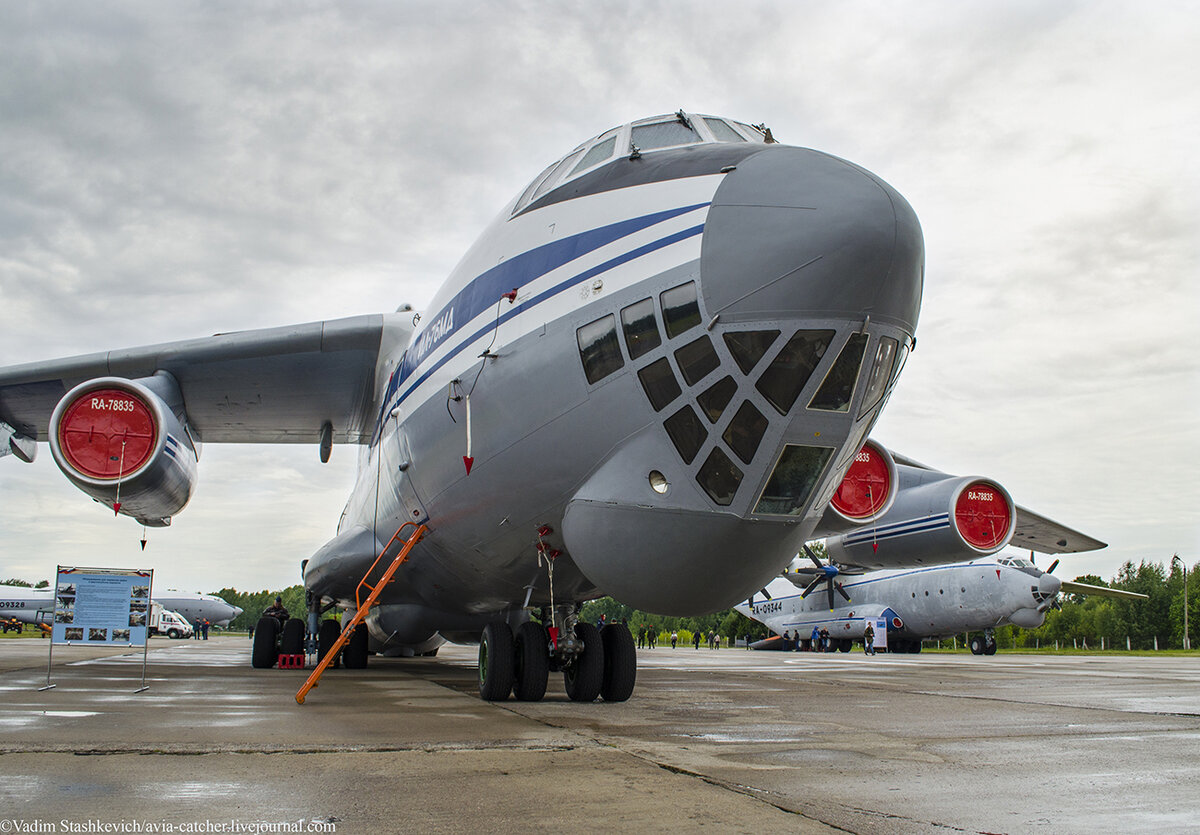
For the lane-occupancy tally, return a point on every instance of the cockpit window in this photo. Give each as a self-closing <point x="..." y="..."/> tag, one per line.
<point x="663" y="135"/>
<point x="881" y="372"/>
<point x="599" y="348"/>
<point x="835" y="393"/>
<point x="681" y="312"/>
<point x="722" y="132"/>
<point x="788" y="373"/>
<point x="792" y="482"/>
<point x="558" y="169"/>
<point x="641" y="330"/>
<point x="599" y="152"/>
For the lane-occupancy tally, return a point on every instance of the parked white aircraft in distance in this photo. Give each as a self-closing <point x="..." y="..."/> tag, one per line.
<point x="918" y="603"/>
<point x="32" y="605"/>
<point x="652" y="377"/>
<point x="196" y="606"/>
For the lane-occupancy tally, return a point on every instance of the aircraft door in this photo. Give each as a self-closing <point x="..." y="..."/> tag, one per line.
<point x="411" y="507"/>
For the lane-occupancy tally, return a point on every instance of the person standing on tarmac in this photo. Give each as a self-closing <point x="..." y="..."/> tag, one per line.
<point x="869" y="639"/>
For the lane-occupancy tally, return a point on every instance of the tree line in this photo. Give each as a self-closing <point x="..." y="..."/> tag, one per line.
<point x="1156" y="623"/>
<point x="1082" y="620"/>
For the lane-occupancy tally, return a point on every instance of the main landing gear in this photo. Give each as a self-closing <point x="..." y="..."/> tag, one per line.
<point x="594" y="662"/>
<point x="984" y="644"/>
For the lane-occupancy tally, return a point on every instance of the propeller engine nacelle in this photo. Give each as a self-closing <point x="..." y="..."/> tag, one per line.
<point x="125" y="443"/>
<point x="936" y="519"/>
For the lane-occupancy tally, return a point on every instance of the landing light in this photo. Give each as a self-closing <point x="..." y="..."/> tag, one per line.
<point x="659" y="482"/>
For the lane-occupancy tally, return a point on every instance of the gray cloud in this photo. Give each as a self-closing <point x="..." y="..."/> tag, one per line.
<point x="173" y="170"/>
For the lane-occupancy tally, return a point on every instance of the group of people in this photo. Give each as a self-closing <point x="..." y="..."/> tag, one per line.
<point x="818" y="640"/>
<point x="200" y="629"/>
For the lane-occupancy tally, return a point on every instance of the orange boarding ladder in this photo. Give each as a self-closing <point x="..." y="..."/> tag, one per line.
<point x="364" y="606"/>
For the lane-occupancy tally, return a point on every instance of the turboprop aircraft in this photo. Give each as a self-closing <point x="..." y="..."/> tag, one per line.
<point x="647" y="378"/>
<point x="932" y="602"/>
<point x="33" y="605"/>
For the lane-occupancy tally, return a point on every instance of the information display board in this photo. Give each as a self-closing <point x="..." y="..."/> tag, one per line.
<point x="98" y="606"/>
<point x="881" y="634"/>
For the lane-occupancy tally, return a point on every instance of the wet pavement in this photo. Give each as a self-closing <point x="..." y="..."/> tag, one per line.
<point x="725" y="740"/>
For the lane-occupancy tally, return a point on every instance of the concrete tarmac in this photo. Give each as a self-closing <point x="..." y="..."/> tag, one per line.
<point x="725" y="740"/>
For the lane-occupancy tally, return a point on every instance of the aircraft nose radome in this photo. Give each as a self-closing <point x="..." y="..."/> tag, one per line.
<point x="794" y="232"/>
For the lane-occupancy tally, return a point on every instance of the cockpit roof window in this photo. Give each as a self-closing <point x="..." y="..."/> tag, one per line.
<point x="599" y="152"/>
<point x="663" y="135"/>
<point x="722" y="132"/>
<point x="655" y="133"/>
<point x="562" y="166"/>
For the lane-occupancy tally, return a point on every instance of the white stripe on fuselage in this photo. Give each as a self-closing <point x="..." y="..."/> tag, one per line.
<point x="534" y="229"/>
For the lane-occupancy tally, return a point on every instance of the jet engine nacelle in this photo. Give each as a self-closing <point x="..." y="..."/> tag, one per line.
<point x="867" y="492"/>
<point x="940" y="519"/>
<point x="125" y="443"/>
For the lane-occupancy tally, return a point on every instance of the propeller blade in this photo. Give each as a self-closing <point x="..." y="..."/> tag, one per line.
<point x="842" y="592"/>
<point x="812" y="557"/>
<point x="765" y="594"/>
<point x="811" y="587"/>
<point x="1053" y="566"/>
<point x="750" y="601"/>
<point x="831" y="594"/>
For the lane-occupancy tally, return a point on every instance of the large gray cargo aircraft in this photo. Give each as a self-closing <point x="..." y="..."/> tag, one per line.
<point x="651" y="377"/>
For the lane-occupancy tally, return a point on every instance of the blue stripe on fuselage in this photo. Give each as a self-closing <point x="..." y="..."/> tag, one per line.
<point x="486" y="290"/>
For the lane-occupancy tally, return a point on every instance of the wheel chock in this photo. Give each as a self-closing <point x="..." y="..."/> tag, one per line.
<point x="291" y="662"/>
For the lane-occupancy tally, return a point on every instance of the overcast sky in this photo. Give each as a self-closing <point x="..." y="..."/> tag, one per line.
<point x="172" y="170"/>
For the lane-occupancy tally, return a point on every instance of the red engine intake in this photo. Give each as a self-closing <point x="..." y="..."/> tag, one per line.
<point x="107" y="433"/>
<point x="867" y="491"/>
<point x="935" y="518"/>
<point x="123" y="442"/>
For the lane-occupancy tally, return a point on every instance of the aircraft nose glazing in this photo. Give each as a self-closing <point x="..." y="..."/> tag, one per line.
<point x="797" y="233"/>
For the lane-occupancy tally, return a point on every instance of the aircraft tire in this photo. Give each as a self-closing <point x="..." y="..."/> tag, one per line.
<point x="354" y="654"/>
<point x="496" y="662"/>
<point x="532" y="662"/>
<point x="977" y="645"/>
<point x="914" y="646"/>
<point x="989" y="647"/>
<point x="620" y="663"/>
<point x="845" y="645"/>
<point x="327" y="635"/>
<point x="291" y="642"/>
<point x="264" y="653"/>
<point x="585" y="675"/>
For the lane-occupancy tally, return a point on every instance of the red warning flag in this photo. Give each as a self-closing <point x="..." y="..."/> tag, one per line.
<point x="468" y="461"/>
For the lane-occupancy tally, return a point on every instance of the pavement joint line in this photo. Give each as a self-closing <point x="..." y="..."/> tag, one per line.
<point x="1013" y="701"/>
<point x="161" y="750"/>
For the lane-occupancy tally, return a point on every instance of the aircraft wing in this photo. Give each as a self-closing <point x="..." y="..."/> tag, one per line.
<point x="277" y="385"/>
<point x="1070" y="587"/>
<point x="1034" y="531"/>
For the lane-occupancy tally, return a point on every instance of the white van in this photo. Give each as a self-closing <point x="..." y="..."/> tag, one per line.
<point x="173" y="625"/>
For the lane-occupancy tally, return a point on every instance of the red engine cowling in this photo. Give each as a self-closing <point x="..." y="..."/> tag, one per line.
<point x="123" y="442"/>
<point x="867" y="492"/>
<point x="936" y="518"/>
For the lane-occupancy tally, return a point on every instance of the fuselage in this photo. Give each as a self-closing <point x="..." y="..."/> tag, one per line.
<point x="700" y="339"/>
<point x="916" y="603"/>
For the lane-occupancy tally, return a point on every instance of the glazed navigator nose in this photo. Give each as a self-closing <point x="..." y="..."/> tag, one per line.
<point x="797" y="233"/>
